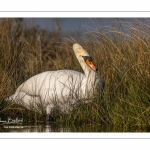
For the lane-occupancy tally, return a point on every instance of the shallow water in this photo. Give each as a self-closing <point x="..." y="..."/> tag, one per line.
<point x="32" y="128"/>
<point x="60" y="128"/>
<point x="49" y="128"/>
<point x="53" y="127"/>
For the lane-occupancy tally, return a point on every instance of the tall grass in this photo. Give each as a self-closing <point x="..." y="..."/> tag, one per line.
<point x="121" y="52"/>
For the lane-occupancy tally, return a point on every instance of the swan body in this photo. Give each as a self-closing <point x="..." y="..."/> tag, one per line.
<point x="61" y="88"/>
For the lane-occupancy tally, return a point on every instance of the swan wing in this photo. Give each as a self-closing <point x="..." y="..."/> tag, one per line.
<point x="60" y="83"/>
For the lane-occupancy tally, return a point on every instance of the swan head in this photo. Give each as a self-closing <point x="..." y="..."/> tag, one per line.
<point x="83" y="56"/>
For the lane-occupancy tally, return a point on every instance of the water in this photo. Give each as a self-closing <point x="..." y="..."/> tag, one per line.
<point x="17" y="125"/>
<point x="53" y="127"/>
<point x="33" y="128"/>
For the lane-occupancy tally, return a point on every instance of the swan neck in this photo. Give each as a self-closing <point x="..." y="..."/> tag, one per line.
<point x="90" y="75"/>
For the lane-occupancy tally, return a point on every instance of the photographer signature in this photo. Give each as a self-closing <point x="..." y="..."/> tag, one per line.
<point x="9" y="121"/>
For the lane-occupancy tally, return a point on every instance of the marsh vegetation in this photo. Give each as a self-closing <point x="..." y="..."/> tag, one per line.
<point x="121" y="53"/>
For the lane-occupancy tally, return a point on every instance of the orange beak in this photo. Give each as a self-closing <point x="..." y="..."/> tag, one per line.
<point x="91" y="65"/>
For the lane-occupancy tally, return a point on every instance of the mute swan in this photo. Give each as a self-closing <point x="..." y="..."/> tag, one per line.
<point x="61" y="88"/>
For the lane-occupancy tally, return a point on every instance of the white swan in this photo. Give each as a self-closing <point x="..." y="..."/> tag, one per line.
<point x="61" y="88"/>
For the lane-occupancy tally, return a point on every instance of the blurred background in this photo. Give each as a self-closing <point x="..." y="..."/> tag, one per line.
<point x="79" y="25"/>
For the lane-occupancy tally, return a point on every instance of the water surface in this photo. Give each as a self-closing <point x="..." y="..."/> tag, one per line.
<point x="53" y="127"/>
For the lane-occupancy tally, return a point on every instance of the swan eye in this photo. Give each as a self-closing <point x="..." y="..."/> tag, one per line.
<point x="87" y="58"/>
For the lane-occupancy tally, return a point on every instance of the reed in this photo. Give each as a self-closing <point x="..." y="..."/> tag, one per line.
<point x="121" y="52"/>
